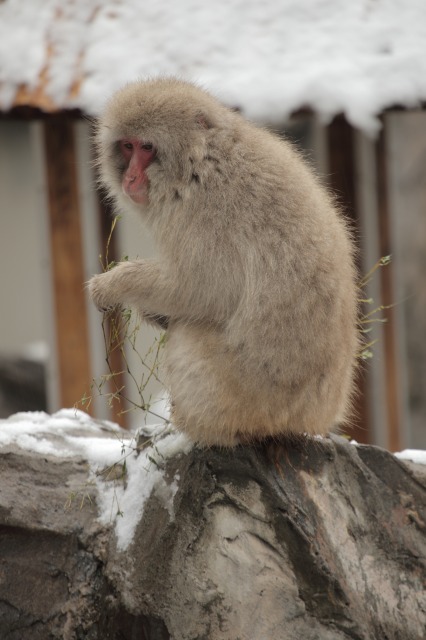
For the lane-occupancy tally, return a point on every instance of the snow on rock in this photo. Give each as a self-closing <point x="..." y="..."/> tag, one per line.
<point x="269" y="58"/>
<point x="413" y="455"/>
<point x="107" y="448"/>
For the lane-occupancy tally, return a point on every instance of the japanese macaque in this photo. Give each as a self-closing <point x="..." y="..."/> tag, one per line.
<point x="255" y="280"/>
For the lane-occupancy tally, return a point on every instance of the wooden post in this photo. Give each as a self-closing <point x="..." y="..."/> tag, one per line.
<point x="342" y="180"/>
<point x="392" y="387"/>
<point x="67" y="261"/>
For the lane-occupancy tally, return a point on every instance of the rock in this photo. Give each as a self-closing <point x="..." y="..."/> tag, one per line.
<point x="323" y="540"/>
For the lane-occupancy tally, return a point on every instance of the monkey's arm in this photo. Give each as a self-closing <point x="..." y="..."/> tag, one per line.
<point x="140" y="284"/>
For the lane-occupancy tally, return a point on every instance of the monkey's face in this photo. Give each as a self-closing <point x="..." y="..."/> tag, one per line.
<point x="135" y="157"/>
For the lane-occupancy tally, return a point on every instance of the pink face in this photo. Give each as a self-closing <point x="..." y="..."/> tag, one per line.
<point x="137" y="155"/>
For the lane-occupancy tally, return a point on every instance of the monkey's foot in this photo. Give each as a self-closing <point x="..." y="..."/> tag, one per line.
<point x="280" y="447"/>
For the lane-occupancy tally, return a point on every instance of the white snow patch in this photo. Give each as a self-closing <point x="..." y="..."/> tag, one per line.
<point x="145" y="476"/>
<point x="70" y="433"/>
<point x="414" y="455"/>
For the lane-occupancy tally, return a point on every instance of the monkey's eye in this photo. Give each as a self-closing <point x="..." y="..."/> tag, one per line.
<point x="147" y="146"/>
<point x="127" y="145"/>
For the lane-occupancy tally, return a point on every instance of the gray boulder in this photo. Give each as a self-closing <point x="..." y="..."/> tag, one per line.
<point x="320" y="540"/>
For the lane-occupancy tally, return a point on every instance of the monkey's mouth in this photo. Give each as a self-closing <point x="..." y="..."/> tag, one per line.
<point x="137" y="190"/>
<point x="140" y="196"/>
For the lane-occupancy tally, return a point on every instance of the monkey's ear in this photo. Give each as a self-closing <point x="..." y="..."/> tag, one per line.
<point x="203" y="121"/>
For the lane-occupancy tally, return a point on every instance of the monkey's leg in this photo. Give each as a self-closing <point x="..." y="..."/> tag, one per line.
<point x="209" y="400"/>
<point x="216" y="402"/>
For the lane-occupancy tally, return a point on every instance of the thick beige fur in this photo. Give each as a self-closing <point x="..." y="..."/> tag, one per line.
<point x="256" y="273"/>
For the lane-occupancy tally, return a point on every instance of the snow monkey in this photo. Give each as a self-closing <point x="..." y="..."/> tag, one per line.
<point x="255" y="279"/>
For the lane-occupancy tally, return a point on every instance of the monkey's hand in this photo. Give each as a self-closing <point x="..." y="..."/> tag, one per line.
<point x="102" y="291"/>
<point x="138" y="284"/>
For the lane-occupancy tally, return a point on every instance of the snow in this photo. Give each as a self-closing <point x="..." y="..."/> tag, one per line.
<point x="269" y="58"/>
<point x="414" y="455"/>
<point x="71" y="433"/>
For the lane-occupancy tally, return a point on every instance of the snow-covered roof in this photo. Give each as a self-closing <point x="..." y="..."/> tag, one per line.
<point x="270" y="58"/>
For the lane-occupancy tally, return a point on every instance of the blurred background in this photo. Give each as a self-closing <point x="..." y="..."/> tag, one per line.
<point x="346" y="83"/>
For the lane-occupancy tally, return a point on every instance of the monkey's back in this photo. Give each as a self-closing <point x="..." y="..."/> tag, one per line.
<point x="284" y="359"/>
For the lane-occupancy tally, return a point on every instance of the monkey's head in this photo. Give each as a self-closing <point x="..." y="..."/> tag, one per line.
<point x="152" y="132"/>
